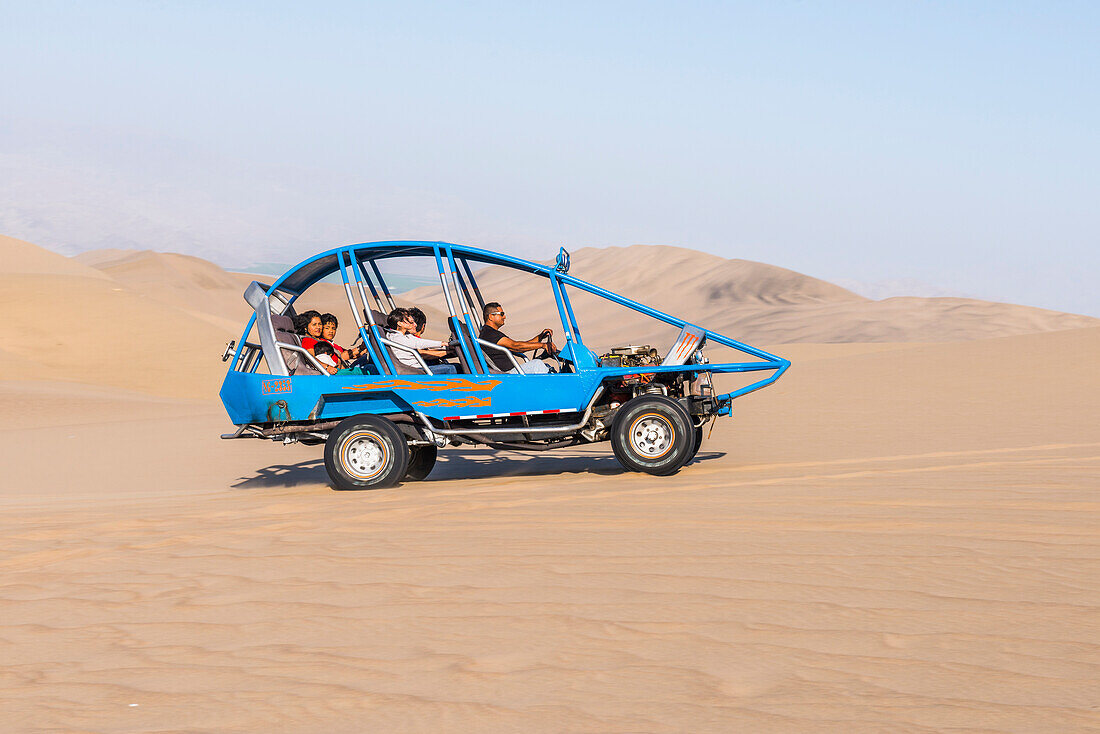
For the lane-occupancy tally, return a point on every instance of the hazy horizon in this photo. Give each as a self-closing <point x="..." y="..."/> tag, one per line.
<point x="947" y="147"/>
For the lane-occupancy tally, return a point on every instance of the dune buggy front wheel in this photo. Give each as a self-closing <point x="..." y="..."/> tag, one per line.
<point x="366" y="452"/>
<point x="652" y="434"/>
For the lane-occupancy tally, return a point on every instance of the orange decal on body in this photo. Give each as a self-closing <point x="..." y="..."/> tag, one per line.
<point x="466" y="402"/>
<point x="454" y="383"/>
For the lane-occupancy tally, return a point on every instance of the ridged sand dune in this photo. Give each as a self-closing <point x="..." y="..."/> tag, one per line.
<point x="894" y="537"/>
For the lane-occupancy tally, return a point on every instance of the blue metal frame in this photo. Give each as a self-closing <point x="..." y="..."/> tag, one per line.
<point x="249" y="397"/>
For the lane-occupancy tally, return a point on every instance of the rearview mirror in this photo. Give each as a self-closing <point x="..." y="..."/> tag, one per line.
<point x="562" y="263"/>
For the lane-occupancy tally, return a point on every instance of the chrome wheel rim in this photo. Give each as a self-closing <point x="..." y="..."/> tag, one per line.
<point x="651" y="435"/>
<point x="364" y="455"/>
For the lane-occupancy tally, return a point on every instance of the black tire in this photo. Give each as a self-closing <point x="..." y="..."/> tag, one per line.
<point x="652" y="434"/>
<point x="421" y="462"/>
<point x="366" y="452"/>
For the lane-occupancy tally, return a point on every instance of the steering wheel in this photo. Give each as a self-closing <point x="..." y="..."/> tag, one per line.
<point x="544" y="338"/>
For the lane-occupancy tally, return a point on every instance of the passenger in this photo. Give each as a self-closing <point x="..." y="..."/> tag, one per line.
<point x="420" y="319"/>
<point x="309" y="327"/>
<point x="402" y="327"/>
<point x="328" y="334"/>
<point x="490" y="332"/>
<point x="327" y="356"/>
<point x="421" y="322"/>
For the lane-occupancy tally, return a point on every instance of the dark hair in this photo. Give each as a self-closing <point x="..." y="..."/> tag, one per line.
<point x="396" y="316"/>
<point x="301" y="321"/>
<point x="419" y="317"/>
<point x="489" y="307"/>
<point x="323" y="347"/>
<point x="329" y="319"/>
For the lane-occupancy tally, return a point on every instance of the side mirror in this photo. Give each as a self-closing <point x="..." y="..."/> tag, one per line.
<point x="562" y="263"/>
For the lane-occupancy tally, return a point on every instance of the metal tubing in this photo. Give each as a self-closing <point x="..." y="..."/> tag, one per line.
<point x="443" y="282"/>
<point x="568" y="309"/>
<point x="450" y="307"/>
<point x="407" y="348"/>
<point x="362" y="274"/>
<point x="473" y="283"/>
<point x="555" y="286"/>
<point x="247" y="331"/>
<point x="468" y="300"/>
<point x="385" y="365"/>
<point x="526" y="446"/>
<point x="509" y="352"/>
<point x="661" y="316"/>
<point x="363" y="330"/>
<point x="453" y="269"/>
<point x="312" y="358"/>
<point x="382" y="284"/>
<point x="400" y="248"/>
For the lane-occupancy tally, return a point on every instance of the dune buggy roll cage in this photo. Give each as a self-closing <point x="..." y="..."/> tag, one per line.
<point x="357" y="263"/>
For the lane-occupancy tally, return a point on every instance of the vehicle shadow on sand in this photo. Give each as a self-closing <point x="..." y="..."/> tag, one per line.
<point x="465" y="463"/>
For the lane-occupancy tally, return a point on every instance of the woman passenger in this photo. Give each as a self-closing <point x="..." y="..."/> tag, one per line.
<point x="309" y="327"/>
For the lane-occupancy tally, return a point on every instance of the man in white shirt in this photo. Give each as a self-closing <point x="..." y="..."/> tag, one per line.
<point x="401" y="328"/>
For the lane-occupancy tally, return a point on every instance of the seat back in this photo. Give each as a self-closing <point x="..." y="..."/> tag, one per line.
<point x="378" y="348"/>
<point x="400" y="367"/>
<point x="461" y="332"/>
<point x="256" y="297"/>
<point x="284" y="334"/>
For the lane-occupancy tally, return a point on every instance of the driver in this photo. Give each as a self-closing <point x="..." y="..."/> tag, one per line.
<point x="493" y="314"/>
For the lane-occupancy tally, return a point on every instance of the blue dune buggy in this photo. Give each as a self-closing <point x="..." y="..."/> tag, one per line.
<point x="386" y="425"/>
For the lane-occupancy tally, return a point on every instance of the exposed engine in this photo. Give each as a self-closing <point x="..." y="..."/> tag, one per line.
<point x="635" y="384"/>
<point x="631" y="356"/>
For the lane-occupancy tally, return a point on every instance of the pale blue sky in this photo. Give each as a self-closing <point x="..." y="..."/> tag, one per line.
<point x="951" y="143"/>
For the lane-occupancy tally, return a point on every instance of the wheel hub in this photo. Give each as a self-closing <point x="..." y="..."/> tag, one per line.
<point x="364" y="455"/>
<point x="651" y="436"/>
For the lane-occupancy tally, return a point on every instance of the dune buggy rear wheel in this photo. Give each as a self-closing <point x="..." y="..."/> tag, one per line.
<point x="652" y="434"/>
<point x="421" y="462"/>
<point x="366" y="452"/>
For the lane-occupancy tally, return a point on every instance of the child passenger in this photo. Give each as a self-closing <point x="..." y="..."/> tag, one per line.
<point x="327" y="357"/>
<point x="328" y="334"/>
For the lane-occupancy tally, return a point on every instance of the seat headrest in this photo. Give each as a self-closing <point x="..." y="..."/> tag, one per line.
<point x="282" y="323"/>
<point x="377" y="316"/>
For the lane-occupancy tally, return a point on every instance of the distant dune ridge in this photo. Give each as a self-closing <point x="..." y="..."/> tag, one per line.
<point x="22" y="258"/>
<point x="750" y="301"/>
<point x="157" y="321"/>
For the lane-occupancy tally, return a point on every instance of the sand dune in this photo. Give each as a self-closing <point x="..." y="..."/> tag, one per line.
<point x="22" y="258"/>
<point x="897" y="536"/>
<point x="82" y="325"/>
<point x="749" y="301"/>
<point x="893" y="538"/>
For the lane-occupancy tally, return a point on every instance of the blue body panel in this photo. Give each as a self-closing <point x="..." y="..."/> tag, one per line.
<point x="261" y="398"/>
<point x="254" y="398"/>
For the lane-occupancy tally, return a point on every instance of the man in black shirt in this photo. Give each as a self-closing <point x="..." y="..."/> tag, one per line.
<point x="490" y="332"/>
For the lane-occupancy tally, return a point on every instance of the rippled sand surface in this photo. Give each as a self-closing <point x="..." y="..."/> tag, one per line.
<point x="858" y="550"/>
